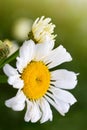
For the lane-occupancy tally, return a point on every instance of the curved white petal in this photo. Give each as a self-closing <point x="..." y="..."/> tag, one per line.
<point x="14" y="77"/>
<point x="27" y="117"/>
<point x="26" y="54"/>
<point x="16" y="81"/>
<point x="63" y="95"/>
<point x="43" y="49"/>
<point x="20" y="64"/>
<point x="64" y="79"/>
<point x="60" y="106"/>
<point x="33" y="112"/>
<point x="50" y="42"/>
<point x="63" y="107"/>
<point x="46" y="110"/>
<point x="57" y="57"/>
<point x="9" y="70"/>
<point x="17" y="103"/>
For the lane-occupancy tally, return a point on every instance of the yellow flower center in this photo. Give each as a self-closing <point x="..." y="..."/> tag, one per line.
<point x="36" y="77"/>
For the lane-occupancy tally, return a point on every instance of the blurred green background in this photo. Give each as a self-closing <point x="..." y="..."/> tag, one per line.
<point x="70" y="17"/>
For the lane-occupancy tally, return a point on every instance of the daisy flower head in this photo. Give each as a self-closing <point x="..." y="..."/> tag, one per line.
<point x="42" y="30"/>
<point x="38" y="86"/>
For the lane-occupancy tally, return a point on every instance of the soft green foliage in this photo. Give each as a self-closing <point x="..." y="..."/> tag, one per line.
<point x="70" y="18"/>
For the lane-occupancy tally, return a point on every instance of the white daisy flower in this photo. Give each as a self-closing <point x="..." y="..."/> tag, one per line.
<point x="42" y="30"/>
<point x="38" y="86"/>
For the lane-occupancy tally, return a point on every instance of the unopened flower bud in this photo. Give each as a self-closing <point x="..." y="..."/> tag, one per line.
<point x="4" y="50"/>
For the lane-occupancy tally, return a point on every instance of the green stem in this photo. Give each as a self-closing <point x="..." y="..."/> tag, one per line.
<point x="9" y="59"/>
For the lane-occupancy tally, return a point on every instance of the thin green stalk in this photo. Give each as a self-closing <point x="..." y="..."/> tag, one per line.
<point x="9" y="59"/>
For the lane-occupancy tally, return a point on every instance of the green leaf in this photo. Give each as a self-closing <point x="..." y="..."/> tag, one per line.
<point x="3" y="79"/>
<point x="9" y="59"/>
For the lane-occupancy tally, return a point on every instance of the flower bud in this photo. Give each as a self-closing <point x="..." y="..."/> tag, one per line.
<point x="4" y="50"/>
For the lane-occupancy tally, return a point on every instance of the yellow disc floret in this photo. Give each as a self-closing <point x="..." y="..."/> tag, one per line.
<point x="36" y="77"/>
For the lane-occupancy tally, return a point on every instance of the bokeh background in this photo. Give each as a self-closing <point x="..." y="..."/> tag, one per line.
<point x="70" y="17"/>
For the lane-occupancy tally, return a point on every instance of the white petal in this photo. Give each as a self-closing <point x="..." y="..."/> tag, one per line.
<point x="27" y="117"/>
<point x="26" y="54"/>
<point x="33" y="112"/>
<point x="46" y="110"/>
<point x="36" y="113"/>
<point x="43" y="49"/>
<point x="9" y="70"/>
<point x="17" y="103"/>
<point x="20" y="64"/>
<point x="14" y="77"/>
<point x="64" y="79"/>
<point x="60" y="106"/>
<point x="63" y="95"/>
<point x="15" y="81"/>
<point x="57" y="57"/>
<point x="27" y="50"/>
<point x="18" y="83"/>
<point x="63" y="107"/>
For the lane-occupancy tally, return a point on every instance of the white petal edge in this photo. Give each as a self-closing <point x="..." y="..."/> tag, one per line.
<point x="46" y="110"/>
<point x="57" y="57"/>
<point x="17" y="103"/>
<point x="16" y="82"/>
<point x="9" y="70"/>
<point x="26" y="54"/>
<point x="64" y="79"/>
<point x="13" y="76"/>
<point x="60" y="106"/>
<point x="63" y="95"/>
<point x="43" y="49"/>
<point x="33" y="113"/>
